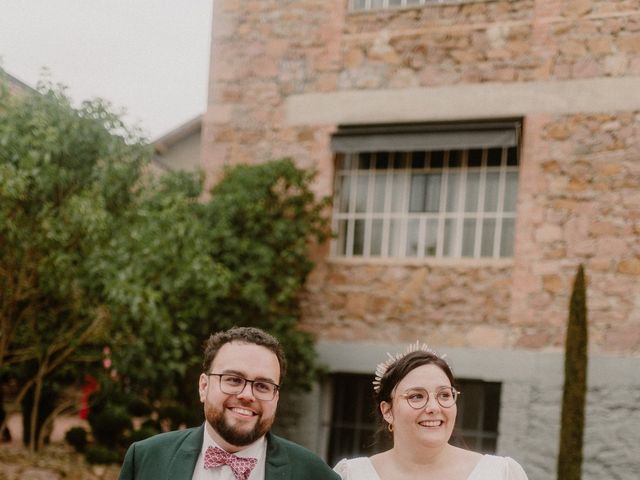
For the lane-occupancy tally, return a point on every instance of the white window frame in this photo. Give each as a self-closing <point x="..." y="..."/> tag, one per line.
<point x="347" y="172"/>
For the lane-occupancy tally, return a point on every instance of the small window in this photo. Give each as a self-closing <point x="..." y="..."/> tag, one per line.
<point x="354" y="423"/>
<point x="426" y="198"/>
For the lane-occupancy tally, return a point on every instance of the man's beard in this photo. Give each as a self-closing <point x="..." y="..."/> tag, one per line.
<point x="233" y="435"/>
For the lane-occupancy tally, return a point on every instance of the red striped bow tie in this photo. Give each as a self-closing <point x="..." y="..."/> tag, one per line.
<point x="240" y="466"/>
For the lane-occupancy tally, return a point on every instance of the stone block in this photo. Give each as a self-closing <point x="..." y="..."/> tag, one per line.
<point x="630" y="266"/>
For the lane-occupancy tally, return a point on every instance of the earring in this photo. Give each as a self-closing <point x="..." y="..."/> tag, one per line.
<point x="390" y="427"/>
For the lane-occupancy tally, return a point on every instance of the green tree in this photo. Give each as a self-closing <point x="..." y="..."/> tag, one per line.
<point x="66" y="175"/>
<point x="575" y="384"/>
<point x="95" y="253"/>
<point x="262" y="220"/>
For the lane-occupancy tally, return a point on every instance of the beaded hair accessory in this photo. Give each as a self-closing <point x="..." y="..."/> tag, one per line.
<point x="382" y="367"/>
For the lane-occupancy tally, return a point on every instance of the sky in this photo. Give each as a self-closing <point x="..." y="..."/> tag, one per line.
<point x="149" y="58"/>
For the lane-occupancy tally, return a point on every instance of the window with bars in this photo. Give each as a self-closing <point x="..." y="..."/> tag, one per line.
<point x="354" y="423"/>
<point x="359" y="5"/>
<point x="426" y="193"/>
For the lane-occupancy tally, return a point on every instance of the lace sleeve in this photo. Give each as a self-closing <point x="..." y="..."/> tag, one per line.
<point x="514" y="470"/>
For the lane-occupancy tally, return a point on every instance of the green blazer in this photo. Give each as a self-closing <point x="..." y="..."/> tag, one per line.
<point x="173" y="456"/>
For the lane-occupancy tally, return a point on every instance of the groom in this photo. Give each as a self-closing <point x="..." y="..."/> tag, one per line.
<point x="240" y="387"/>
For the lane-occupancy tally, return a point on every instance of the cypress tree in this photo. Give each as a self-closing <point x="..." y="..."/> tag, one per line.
<point x="575" y="384"/>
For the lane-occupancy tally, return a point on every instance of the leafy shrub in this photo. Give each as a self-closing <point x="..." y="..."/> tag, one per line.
<point x="100" y="454"/>
<point x="77" y="438"/>
<point x="139" y="407"/>
<point x="142" y="433"/>
<point x="109" y="425"/>
<point x="175" y="414"/>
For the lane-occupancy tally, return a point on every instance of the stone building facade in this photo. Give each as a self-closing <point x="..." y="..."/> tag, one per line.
<point x="392" y="100"/>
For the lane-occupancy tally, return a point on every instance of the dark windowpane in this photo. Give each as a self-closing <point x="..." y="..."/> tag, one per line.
<point x="512" y="157"/>
<point x="353" y="428"/>
<point x="455" y="158"/>
<point x="400" y="160"/>
<point x="376" y="238"/>
<point x="382" y="160"/>
<point x="491" y="397"/>
<point x="364" y="161"/>
<point x="494" y="157"/>
<point x="437" y="159"/>
<point x="342" y="237"/>
<point x="475" y="157"/>
<point x="478" y="415"/>
<point x="358" y="237"/>
<point x="418" y="159"/>
<point x="340" y="161"/>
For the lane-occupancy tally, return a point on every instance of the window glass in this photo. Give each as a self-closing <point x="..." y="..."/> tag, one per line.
<point x="379" y="187"/>
<point x="344" y="192"/>
<point x="468" y="237"/>
<point x="398" y="191"/>
<point x="494" y="157"/>
<point x="376" y="237"/>
<point x="382" y="160"/>
<point x="472" y="192"/>
<point x="364" y="161"/>
<point x="362" y="186"/>
<point x="431" y="238"/>
<point x="358" y="237"/>
<point x="453" y="191"/>
<point x="342" y="237"/>
<point x="426" y="203"/>
<point x="488" y="236"/>
<point x="491" y="191"/>
<point x="394" y="237"/>
<point x="506" y="244"/>
<point x="475" y="157"/>
<point x="449" y="244"/>
<point x="413" y="230"/>
<point x="510" y="192"/>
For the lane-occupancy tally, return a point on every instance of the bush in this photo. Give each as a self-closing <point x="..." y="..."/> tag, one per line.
<point x="100" y="454"/>
<point x="139" y="408"/>
<point x="152" y="425"/>
<point x="77" y="438"/>
<point x="142" y="433"/>
<point x="109" y="425"/>
<point x="175" y="414"/>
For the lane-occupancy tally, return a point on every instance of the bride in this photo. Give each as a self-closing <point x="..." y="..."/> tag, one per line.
<point x="416" y="398"/>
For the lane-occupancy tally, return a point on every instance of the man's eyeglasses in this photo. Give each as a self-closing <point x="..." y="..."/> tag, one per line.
<point x="419" y="397"/>
<point x="233" y="385"/>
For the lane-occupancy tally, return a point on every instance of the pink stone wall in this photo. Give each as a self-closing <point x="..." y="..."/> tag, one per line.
<point x="579" y="197"/>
